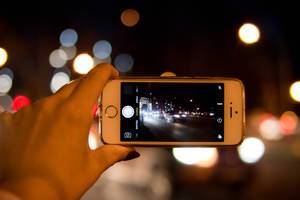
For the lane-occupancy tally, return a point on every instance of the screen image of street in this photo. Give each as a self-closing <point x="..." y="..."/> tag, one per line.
<point x="180" y="112"/>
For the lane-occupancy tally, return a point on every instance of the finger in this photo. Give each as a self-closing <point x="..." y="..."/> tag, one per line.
<point x="90" y="87"/>
<point x="67" y="89"/>
<point x="107" y="155"/>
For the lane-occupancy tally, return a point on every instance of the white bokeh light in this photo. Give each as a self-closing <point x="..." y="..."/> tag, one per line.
<point x="102" y="49"/>
<point x="93" y="144"/>
<point x="124" y="62"/>
<point x="58" y="58"/>
<point x="58" y="80"/>
<point x="249" y="33"/>
<point x="83" y="63"/>
<point x="295" y="91"/>
<point x="68" y="37"/>
<point x="201" y="156"/>
<point x="251" y="150"/>
<point x="3" y="56"/>
<point x="270" y="129"/>
<point x="69" y="51"/>
<point x="5" y="83"/>
<point x="209" y="157"/>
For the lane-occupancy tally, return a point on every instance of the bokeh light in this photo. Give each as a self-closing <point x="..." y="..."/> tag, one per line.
<point x="19" y="102"/>
<point x="6" y="102"/>
<point x="92" y="142"/>
<point x="168" y="74"/>
<point x="95" y="110"/>
<point x="83" y="63"/>
<point x="288" y="122"/>
<point x="93" y="138"/>
<point x="249" y="33"/>
<point x="70" y="52"/>
<point x="3" y="56"/>
<point x="209" y="157"/>
<point x="63" y="69"/>
<point x="5" y="83"/>
<point x="201" y="156"/>
<point x="102" y="49"/>
<point x="68" y="37"/>
<point x="251" y="150"/>
<point x="124" y="62"/>
<point x="58" y="58"/>
<point x="130" y="17"/>
<point x="269" y="128"/>
<point x="295" y="91"/>
<point x="99" y="61"/>
<point x="58" y="80"/>
<point x="8" y="72"/>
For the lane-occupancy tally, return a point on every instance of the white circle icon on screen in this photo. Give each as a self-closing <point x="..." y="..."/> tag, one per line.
<point x="127" y="111"/>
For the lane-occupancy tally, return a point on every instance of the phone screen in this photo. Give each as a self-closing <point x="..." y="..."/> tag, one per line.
<point x="181" y="112"/>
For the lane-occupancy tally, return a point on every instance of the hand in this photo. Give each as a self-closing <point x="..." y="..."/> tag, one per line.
<point x="44" y="151"/>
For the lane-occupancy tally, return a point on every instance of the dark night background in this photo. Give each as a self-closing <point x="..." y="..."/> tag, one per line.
<point x="189" y="38"/>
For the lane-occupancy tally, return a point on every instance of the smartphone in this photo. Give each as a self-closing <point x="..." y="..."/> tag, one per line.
<point x="173" y="111"/>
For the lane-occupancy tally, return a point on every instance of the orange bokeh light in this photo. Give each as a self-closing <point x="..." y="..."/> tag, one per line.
<point x="288" y="122"/>
<point x="130" y="17"/>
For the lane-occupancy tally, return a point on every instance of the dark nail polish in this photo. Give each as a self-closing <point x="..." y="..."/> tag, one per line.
<point x="132" y="155"/>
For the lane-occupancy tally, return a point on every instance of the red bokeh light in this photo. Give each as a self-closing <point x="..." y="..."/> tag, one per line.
<point x="19" y="102"/>
<point x="94" y="111"/>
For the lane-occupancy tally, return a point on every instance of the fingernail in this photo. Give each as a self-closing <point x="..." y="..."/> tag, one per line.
<point x="132" y="155"/>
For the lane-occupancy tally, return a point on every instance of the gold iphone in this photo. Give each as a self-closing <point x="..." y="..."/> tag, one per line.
<point x="173" y="111"/>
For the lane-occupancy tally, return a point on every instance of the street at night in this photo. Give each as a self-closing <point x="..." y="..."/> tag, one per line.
<point x="191" y="128"/>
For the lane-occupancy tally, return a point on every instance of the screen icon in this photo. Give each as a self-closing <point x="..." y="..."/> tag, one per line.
<point x="220" y="137"/>
<point x="219" y="120"/>
<point x="127" y="135"/>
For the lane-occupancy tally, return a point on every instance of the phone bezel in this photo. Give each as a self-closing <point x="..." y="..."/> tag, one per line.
<point x="233" y="126"/>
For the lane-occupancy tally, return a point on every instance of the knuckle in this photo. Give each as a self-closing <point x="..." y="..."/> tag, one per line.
<point x="66" y="90"/>
<point x="100" y="68"/>
<point x="104" y="65"/>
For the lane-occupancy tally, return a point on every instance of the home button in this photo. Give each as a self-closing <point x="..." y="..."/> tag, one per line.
<point x="111" y="111"/>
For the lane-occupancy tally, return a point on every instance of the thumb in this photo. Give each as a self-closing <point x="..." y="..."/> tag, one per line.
<point x="108" y="155"/>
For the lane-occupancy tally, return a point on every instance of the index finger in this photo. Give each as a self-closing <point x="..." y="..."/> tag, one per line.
<point x="91" y="85"/>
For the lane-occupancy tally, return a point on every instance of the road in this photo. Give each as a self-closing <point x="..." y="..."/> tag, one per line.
<point x="191" y="129"/>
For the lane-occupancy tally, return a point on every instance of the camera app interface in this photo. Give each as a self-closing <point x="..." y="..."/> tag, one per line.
<point x="191" y="112"/>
